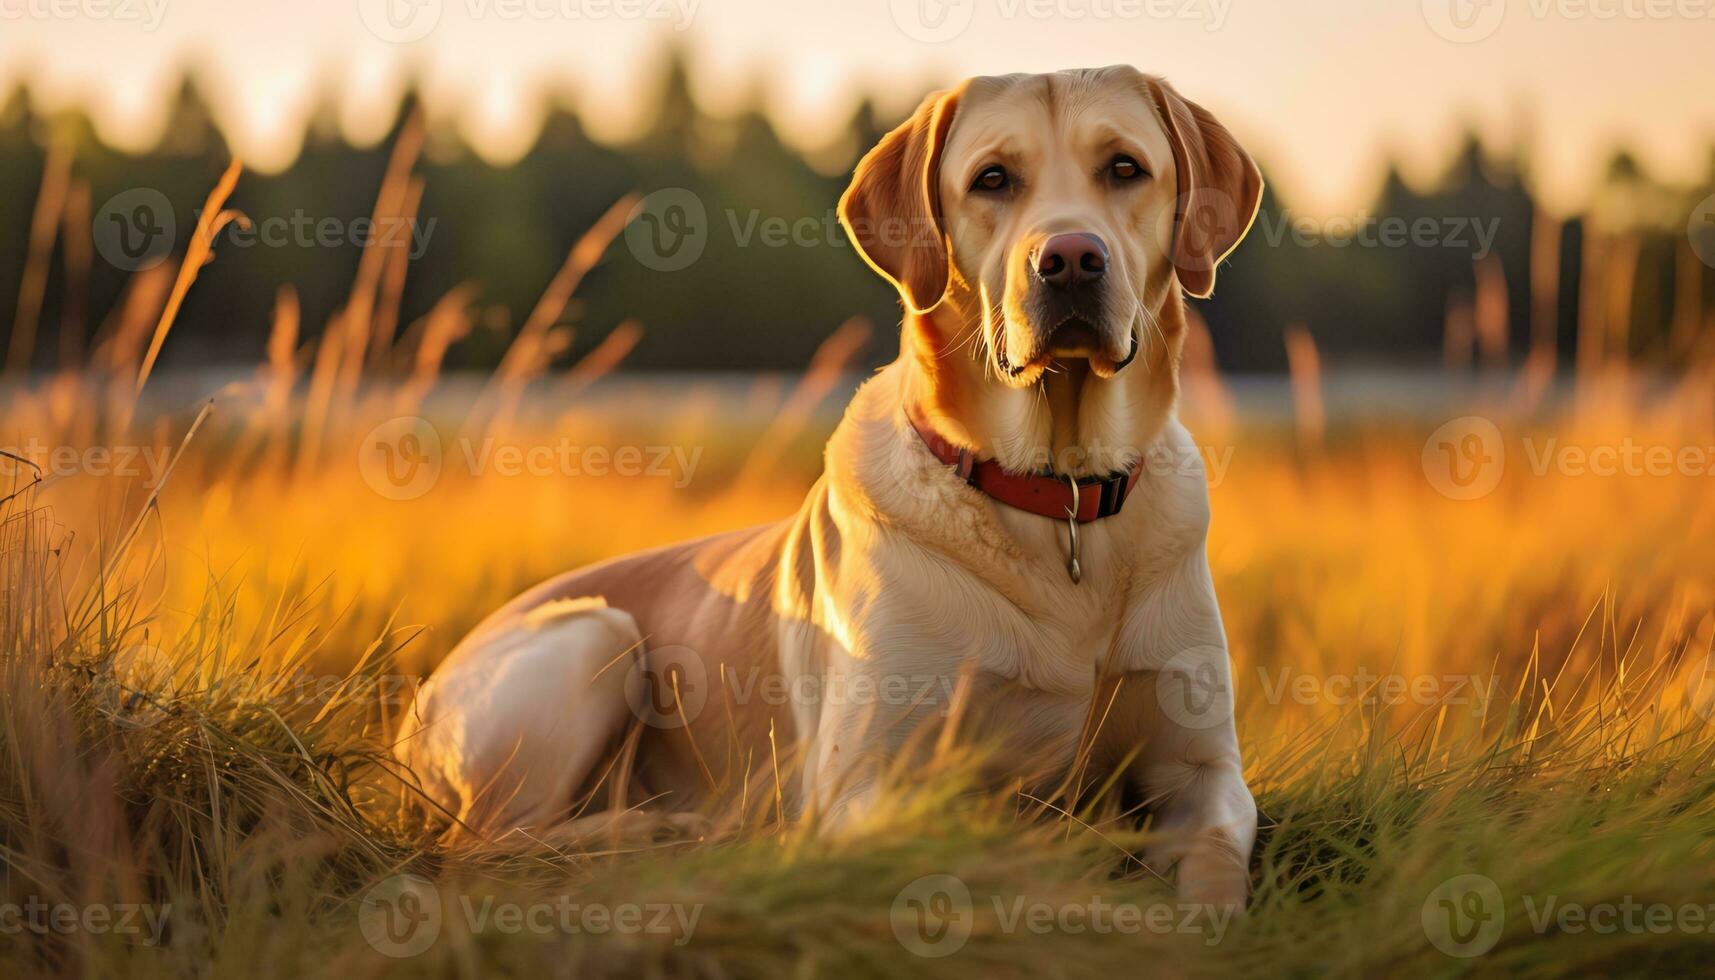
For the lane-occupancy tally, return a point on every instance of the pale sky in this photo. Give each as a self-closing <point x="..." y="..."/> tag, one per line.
<point x="1317" y="88"/>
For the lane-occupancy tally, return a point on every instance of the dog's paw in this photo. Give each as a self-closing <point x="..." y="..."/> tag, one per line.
<point x="1221" y="886"/>
<point x="1209" y="871"/>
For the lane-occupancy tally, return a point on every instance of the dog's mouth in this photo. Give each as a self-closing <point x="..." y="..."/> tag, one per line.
<point x="1076" y="337"/>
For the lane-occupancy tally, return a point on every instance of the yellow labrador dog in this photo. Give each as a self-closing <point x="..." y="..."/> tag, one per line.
<point x="1011" y="518"/>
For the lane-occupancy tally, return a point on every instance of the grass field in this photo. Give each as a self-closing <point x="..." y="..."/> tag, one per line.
<point x="1480" y="730"/>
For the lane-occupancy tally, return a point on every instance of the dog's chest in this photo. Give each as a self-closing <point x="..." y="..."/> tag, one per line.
<point x="1059" y="639"/>
<point x="1039" y="632"/>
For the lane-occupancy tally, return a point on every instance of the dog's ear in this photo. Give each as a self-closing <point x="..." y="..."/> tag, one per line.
<point x="1220" y="189"/>
<point x="892" y="210"/>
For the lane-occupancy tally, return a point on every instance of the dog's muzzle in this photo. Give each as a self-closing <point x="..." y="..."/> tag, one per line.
<point x="1069" y="300"/>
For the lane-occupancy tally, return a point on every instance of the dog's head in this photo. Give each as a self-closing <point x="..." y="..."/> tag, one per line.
<point x="1053" y="216"/>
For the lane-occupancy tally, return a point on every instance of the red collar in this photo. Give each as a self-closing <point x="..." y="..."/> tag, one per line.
<point x="1049" y="496"/>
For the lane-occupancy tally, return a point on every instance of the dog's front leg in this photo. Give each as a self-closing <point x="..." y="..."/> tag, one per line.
<point x="1204" y="813"/>
<point x="1188" y="767"/>
<point x="877" y="717"/>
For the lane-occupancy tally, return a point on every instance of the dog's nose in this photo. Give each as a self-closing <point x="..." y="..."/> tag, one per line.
<point x="1066" y="259"/>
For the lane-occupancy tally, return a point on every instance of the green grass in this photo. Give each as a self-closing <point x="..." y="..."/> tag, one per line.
<point x="237" y="783"/>
<point x="198" y="693"/>
<point x="254" y="822"/>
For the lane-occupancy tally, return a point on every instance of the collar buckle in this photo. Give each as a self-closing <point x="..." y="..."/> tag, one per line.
<point x="1073" y="568"/>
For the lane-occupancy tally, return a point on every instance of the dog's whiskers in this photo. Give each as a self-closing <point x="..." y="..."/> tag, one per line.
<point x="1154" y="324"/>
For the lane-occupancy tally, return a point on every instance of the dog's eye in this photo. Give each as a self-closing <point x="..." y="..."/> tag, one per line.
<point x="991" y="179"/>
<point x="1125" y="168"/>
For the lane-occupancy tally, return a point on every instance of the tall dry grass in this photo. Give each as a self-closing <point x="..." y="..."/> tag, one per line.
<point x="204" y="660"/>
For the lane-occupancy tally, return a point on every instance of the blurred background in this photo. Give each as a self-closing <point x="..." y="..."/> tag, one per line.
<point x="1460" y="184"/>
<point x="504" y="287"/>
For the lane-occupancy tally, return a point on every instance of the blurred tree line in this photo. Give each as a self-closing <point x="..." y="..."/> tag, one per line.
<point x="1470" y="270"/>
